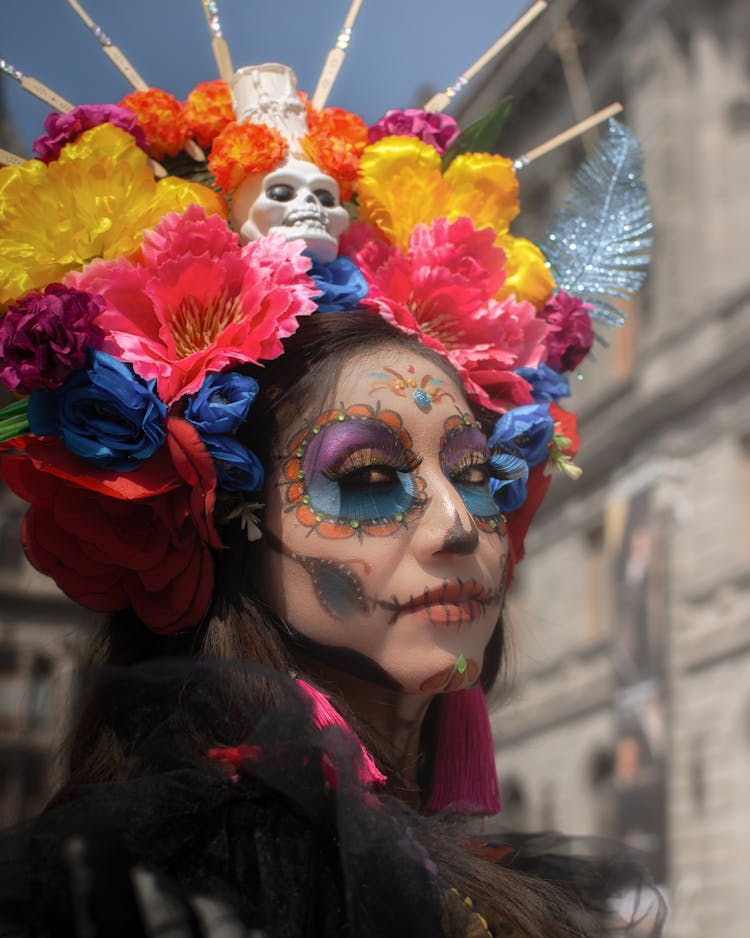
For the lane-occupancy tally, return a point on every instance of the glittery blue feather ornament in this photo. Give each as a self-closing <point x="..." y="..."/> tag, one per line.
<point x="599" y="243"/>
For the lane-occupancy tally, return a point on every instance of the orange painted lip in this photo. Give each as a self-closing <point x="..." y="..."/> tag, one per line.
<point x="453" y="603"/>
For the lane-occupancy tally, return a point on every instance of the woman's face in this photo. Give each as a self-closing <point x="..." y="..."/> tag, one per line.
<point x="382" y="544"/>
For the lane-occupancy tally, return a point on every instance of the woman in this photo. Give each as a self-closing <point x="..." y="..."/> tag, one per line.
<point x="292" y="677"/>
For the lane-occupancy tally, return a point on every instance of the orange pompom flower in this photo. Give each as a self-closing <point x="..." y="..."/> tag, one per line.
<point x="243" y="149"/>
<point x="162" y="119"/>
<point x="208" y="110"/>
<point x="335" y="142"/>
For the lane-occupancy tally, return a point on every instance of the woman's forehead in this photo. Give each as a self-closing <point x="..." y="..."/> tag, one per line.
<point x="398" y="375"/>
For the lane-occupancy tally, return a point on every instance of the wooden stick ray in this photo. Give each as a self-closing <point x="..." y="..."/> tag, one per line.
<point x="37" y="88"/>
<point x="219" y="45"/>
<point x="570" y="134"/>
<point x="441" y="100"/>
<point x="125" y="67"/>
<point x="335" y="58"/>
<point x="10" y="159"/>
<point x="113" y="52"/>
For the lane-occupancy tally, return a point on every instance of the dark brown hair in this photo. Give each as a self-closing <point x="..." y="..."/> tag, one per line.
<point x="239" y="627"/>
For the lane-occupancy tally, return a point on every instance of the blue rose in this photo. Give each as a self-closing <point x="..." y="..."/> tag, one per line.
<point x="341" y="285"/>
<point x="238" y="469"/>
<point x="546" y="384"/>
<point x="508" y="475"/>
<point x="104" y="413"/>
<point x="222" y="403"/>
<point x="528" y="430"/>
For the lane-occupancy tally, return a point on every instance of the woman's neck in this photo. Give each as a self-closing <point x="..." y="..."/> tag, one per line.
<point x="393" y="718"/>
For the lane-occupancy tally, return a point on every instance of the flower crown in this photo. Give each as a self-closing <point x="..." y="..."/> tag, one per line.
<point x="128" y="311"/>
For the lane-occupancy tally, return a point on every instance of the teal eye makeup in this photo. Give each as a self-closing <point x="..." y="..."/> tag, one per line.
<point x="359" y="473"/>
<point x="465" y="460"/>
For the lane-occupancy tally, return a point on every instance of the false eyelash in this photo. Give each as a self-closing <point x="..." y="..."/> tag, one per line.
<point x="395" y="458"/>
<point x="505" y="465"/>
<point x="470" y="459"/>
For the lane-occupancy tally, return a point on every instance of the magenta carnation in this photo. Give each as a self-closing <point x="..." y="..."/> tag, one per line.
<point x="198" y="302"/>
<point x="444" y="291"/>
<point x="44" y="336"/>
<point x="62" y="128"/>
<point x="570" y="335"/>
<point x="439" y="130"/>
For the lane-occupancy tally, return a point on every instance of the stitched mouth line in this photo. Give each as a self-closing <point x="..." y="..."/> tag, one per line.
<point x="469" y="594"/>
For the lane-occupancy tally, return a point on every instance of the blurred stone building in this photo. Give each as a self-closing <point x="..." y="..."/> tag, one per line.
<point x="630" y="715"/>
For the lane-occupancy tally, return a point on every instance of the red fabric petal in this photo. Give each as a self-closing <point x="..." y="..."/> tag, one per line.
<point x="519" y="520"/>
<point x="192" y="461"/>
<point x="49" y="456"/>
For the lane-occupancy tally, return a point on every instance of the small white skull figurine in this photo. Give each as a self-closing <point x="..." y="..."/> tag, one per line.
<point x="298" y="200"/>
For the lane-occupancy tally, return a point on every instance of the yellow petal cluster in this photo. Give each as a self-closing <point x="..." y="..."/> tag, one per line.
<point x="95" y="200"/>
<point x="401" y="184"/>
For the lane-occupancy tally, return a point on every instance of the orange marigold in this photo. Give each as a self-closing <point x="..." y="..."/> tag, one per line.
<point x="162" y="119"/>
<point x="208" y="110"/>
<point x="243" y="149"/>
<point x="335" y="143"/>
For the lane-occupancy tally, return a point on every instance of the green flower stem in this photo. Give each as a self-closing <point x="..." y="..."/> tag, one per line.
<point x="14" y="420"/>
<point x="12" y="428"/>
<point x="12" y="410"/>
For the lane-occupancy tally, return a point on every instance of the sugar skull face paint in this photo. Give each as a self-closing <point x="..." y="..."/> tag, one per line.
<point x="354" y="470"/>
<point x="371" y="547"/>
<point x="465" y="457"/>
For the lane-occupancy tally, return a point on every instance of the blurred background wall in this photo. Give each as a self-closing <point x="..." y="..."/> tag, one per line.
<point x="630" y="713"/>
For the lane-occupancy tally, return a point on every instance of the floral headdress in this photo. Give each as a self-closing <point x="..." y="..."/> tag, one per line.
<point x="128" y="310"/>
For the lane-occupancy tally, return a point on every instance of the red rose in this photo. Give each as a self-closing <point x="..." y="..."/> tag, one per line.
<point x="112" y="540"/>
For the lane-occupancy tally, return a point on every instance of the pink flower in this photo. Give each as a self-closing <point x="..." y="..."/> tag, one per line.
<point x="443" y="291"/>
<point x="439" y="130"/>
<point x="197" y="302"/>
<point x="570" y="335"/>
<point x="62" y="128"/>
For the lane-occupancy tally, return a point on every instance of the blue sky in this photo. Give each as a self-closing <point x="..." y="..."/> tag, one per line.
<point x="398" y="47"/>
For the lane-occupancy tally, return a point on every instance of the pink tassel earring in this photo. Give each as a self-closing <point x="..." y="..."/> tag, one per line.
<point x="463" y="775"/>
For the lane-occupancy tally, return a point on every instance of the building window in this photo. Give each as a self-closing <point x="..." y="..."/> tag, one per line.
<point x="515" y="805"/>
<point x="604" y="794"/>
<point x="11" y="686"/>
<point x="11" y="550"/>
<point x="40" y="691"/>
<point x="596" y="616"/>
<point x="744" y="489"/>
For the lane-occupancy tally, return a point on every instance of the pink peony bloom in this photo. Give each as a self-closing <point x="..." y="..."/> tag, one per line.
<point x="439" y="130"/>
<point x="443" y="291"/>
<point x="570" y="335"/>
<point x="197" y="302"/>
<point x="62" y="128"/>
<point x="44" y="336"/>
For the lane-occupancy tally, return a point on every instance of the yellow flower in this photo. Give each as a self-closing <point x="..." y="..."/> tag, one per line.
<point x="401" y="185"/>
<point x="94" y="201"/>
<point x="528" y="276"/>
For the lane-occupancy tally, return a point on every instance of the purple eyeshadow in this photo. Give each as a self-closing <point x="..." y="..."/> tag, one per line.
<point x="336" y="441"/>
<point x="459" y="445"/>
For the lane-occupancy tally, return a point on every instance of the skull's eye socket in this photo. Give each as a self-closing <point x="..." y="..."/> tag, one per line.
<point x="280" y="193"/>
<point x="325" y="198"/>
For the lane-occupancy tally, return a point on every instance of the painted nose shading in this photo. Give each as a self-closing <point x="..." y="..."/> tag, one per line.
<point x="460" y="539"/>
